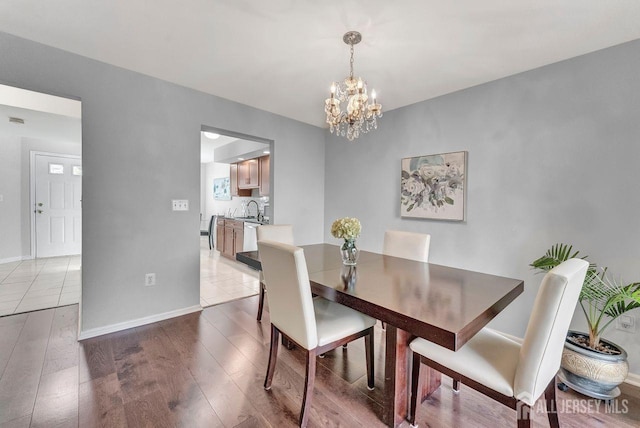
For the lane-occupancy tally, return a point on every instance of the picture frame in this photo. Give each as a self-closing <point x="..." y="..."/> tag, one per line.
<point x="434" y="186"/>
<point x="222" y="189"/>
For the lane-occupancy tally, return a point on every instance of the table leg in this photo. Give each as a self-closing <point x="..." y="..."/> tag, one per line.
<point x="397" y="377"/>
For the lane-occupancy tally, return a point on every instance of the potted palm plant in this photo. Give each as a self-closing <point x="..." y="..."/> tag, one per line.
<point x="592" y="365"/>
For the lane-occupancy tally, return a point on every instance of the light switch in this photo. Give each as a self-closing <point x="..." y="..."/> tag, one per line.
<point x="180" y="204"/>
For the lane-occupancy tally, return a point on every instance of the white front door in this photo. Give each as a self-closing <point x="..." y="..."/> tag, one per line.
<point x="58" y="205"/>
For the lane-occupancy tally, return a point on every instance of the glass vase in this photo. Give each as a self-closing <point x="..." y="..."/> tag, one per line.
<point x="349" y="252"/>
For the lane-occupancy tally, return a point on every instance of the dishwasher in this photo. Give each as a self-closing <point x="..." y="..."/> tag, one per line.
<point x="250" y="241"/>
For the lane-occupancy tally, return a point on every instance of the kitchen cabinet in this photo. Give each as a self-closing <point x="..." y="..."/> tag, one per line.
<point x="232" y="237"/>
<point x="248" y="174"/>
<point x="227" y="249"/>
<point x="238" y="238"/>
<point x="264" y="175"/>
<point x="233" y="182"/>
<point x="220" y="234"/>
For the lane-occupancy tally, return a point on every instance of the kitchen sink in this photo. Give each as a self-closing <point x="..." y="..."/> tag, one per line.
<point x="251" y="220"/>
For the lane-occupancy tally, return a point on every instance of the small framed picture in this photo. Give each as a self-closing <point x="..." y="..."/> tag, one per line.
<point x="221" y="189"/>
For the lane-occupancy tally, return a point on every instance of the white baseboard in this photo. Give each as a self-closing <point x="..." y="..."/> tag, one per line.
<point x="99" y="331"/>
<point x="633" y="380"/>
<point x="15" y="259"/>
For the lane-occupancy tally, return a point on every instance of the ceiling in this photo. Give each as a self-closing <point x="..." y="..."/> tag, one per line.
<point x="282" y="55"/>
<point x="208" y="146"/>
<point x="46" y="117"/>
<point x="40" y="125"/>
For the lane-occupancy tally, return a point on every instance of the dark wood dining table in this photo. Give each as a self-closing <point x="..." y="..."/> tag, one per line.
<point x="442" y="304"/>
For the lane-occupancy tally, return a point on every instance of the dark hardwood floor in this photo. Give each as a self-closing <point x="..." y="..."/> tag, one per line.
<point x="207" y="370"/>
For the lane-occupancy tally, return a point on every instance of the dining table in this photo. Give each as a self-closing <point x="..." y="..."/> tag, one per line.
<point x="442" y="304"/>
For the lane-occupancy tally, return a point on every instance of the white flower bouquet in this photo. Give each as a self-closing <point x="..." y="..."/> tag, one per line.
<point x="347" y="228"/>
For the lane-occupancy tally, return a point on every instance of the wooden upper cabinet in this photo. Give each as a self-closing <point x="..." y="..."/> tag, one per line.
<point x="250" y="174"/>
<point x="264" y="175"/>
<point x="234" y="172"/>
<point x="248" y="177"/>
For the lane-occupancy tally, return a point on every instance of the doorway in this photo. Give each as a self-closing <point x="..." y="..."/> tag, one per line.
<point x="227" y="192"/>
<point x="40" y="257"/>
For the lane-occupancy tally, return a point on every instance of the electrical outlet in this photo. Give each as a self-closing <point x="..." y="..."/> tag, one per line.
<point x="626" y="323"/>
<point x="180" y="204"/>
<point x="149" y="279"/>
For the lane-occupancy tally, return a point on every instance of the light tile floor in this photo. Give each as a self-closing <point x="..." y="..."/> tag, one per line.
<point x="223" y="280"/>
<point x="38" y="284"/>
<point x="46" y="283"/>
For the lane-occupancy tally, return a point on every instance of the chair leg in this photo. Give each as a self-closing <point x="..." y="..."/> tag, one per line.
<point x="456" y="386"/>
<point x="415" y="387"/>
<point x="263" y="289"/>
<point x="273" y="355"/>
<point x="287" y="343"/>
<point x="308" y="387"/>
<point x="524" y="415"/>
<point x="368" y="348"/>
<point x="552" y="407"/>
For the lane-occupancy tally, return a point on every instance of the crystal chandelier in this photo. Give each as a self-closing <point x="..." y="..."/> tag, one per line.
<point x="361" y="112"/>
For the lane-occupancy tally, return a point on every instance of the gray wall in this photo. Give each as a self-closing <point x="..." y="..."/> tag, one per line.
<point x="141" y="148"/>
<point x="553" y="157"/>
<point x="10" y="240"/>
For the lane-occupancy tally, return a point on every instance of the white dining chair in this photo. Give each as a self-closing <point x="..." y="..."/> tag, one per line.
<point x="271" y="232"/>
<point x="512" y="373"/>
<point x="315" y="324"/>
<point x="407" y="245"/>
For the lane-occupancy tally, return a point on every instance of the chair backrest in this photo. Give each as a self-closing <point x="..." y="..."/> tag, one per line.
<point x="275" y="232"/>
<point x="553" y="309"/>
<point x="290" y="302"/>
<point x="407" y="245"/>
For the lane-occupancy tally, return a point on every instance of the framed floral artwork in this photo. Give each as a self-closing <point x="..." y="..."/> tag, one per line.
<point x="434" y="186"/>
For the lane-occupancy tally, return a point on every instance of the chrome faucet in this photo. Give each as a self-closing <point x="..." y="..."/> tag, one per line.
<point x="257" y="208"/>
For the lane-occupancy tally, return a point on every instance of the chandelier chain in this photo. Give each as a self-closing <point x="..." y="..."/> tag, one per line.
<point x="351" y="63"/>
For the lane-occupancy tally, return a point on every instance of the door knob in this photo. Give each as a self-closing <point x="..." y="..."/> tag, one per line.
<point x="40" y="211"/>
<point x="39" y="204"/>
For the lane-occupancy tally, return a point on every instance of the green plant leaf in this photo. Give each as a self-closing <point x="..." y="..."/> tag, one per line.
<point x="557" y="254"/>
<point x="602" y="298"/>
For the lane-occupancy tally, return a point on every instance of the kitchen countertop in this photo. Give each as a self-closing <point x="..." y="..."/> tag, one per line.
<point x="249" y="219"/>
